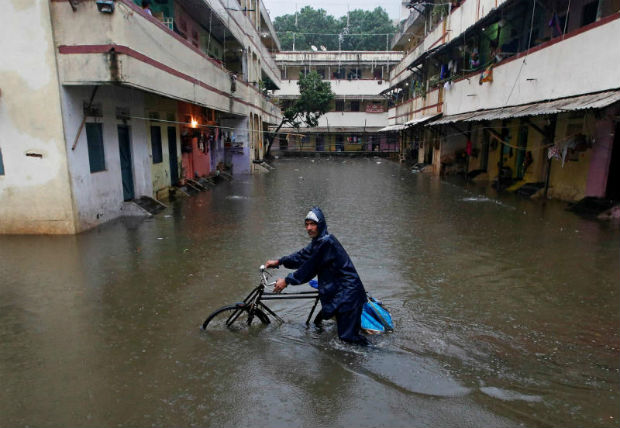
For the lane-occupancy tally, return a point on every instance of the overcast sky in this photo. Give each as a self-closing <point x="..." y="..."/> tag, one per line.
<point x="336" y="8"/>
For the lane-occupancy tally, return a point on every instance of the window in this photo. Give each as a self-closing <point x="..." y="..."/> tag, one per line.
<point x="1" y="164"/>
<point x="156" y="144"/>
<point x="94" y="140"/>
<point x="355" y="106"/>
<point x="339" y="105"/>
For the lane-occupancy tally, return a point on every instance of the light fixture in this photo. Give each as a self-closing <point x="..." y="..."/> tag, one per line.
<point x="194" y="123"/>
<point x="105" y="6"/>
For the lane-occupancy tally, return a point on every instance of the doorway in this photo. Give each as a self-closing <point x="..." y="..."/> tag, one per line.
<point x="124" y="148"/>
<point x="613" y="176"/>
<point x="320" y="143"/>
<point x="172" y="155"/>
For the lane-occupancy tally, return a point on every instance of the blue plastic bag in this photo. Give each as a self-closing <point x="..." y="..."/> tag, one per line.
<point x="375" y="318"/>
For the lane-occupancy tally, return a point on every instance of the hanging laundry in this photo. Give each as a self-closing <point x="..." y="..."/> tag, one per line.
<point x="554" y="23"/>
<point x="553" y="152"/>
<point x="444" y="72"/>
<point x="474" y="60"/>
<point x="486" y="75"/>
<point x="468" y="148"/>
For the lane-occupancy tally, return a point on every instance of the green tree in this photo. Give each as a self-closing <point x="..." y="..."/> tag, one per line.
<point x="375" y="25"/>
<point x="334" y="33"/>
<point x="294" y="28"/>
<point x="315" y="97"/>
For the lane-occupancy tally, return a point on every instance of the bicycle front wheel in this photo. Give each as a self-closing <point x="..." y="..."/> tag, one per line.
<point x="234" y="317"/>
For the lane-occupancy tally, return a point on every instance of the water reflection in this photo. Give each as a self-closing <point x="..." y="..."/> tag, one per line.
<point x="507" y="310"/>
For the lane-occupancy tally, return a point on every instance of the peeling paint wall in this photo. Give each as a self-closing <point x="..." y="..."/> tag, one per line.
<point x="99" y="195"/>
<point x="35" y="194"/>
<point x="568" y="182"/>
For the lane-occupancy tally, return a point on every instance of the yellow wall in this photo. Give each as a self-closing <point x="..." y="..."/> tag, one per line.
<point x="569" y="182"/>
<point x="167" y="109"/>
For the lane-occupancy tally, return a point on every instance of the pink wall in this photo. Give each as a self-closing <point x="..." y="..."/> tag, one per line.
<point x="196" y="163"/>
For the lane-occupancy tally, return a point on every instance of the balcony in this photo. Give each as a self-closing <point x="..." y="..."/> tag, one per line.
<point x="452" y="27"/>
<point x="554" y="69"/>
<point x="334" y="121"/>
<point x="341" y="88"/>
<point x="430" y="104"/>
<point x="133" y="49"/>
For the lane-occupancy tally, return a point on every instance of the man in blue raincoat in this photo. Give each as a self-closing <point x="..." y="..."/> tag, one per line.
<point x="341" y="291"/>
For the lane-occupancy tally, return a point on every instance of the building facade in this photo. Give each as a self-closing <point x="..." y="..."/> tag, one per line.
<point x="103" y="102"/>
<point x="359" y="109"/>
<point x="514" y="92"/>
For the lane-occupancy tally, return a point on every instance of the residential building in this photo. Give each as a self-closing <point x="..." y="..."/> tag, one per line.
<point x="517" y="92"/>
<point x="103" y="102"/>
<point x="359" y="110"/>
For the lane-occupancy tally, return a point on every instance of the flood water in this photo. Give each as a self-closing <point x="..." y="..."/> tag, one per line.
<point x="507" y="311"/>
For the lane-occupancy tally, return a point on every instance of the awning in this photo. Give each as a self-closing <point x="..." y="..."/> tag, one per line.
<point x="392" y="128"/>
<point x="422" y="119"/>
<point x="582" y="102"/>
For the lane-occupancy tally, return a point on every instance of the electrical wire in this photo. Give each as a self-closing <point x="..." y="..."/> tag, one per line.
<point x="529" y="44"/>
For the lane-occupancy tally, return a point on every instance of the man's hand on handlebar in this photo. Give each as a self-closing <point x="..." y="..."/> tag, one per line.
<point x="280" y="285"/>
<point x="272" y="264"/>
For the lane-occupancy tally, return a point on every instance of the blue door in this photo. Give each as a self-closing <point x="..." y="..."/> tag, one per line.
<point x="172" y="155"/>
<point x="124" y="148"/>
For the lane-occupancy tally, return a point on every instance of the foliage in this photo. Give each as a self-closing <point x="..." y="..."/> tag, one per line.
<point x="308" y="20"/>
<point x="314" y="101"/>
<point x="334" y="33"/>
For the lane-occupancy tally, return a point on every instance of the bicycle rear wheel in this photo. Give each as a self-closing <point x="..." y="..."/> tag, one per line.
<point x="234" y="317"/>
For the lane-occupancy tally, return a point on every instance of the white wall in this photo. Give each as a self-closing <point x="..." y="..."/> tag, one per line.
<point x="352" y="119"/>
<point x="99" y="196"/>
<point x="370" y="88"/>
<point x="290" y="58"/>
<point x="35" y="193"/>
<point x="157" y="61"/>
<point x="578" y="65"/>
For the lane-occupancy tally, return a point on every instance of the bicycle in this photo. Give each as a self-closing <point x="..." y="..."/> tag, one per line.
<point x="243" y="313"/>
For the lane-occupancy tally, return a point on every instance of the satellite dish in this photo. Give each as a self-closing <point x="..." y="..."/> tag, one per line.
<point x="323" y="48"/>
<point x="313" y="48"/>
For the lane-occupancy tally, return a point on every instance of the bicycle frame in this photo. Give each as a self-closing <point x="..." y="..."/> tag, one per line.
<point x="258" y="295"/>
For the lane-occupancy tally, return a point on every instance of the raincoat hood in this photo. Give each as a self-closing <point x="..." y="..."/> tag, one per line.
<point x="316" y="215"/>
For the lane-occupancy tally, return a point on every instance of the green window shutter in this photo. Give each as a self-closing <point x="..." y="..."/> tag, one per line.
<point x="156" y="144"/>
<point x="94" y="138"/>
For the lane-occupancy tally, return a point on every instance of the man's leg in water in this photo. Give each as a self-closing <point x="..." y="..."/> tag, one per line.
<point x="349" y="325"/>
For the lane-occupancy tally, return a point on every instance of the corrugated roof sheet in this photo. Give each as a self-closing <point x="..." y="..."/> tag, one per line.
<point x="420" y="120"/>
<point x="392" y="128"/>
<point x="582" y="102"/>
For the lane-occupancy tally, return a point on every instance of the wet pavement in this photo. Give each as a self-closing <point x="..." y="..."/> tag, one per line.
<point x="507" y="311"/>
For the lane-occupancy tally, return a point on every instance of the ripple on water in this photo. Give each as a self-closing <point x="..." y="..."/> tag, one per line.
<point x="507" y="395"/>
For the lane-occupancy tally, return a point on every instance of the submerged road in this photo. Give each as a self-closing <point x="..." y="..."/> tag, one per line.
<point x="507" y="311"/>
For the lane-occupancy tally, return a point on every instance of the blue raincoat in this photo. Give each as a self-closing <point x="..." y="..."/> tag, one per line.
<point x="340" y="287"/>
